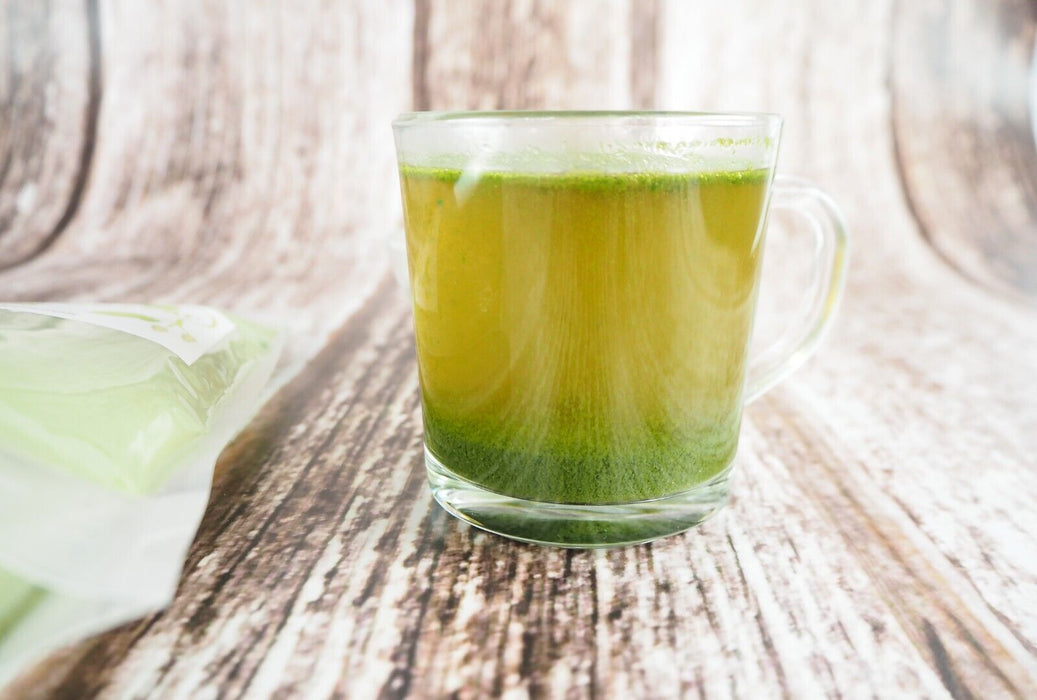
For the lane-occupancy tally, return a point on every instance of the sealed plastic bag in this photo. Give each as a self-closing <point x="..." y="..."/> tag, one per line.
<point x="111" y="419"/>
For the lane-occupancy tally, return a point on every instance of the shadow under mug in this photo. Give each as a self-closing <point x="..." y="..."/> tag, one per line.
<point x="584" y="285"/>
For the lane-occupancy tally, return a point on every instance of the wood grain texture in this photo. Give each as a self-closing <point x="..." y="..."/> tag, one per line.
<point x="226" y="163"/>
<point x="50" y="85"/>
<point x="483" y="54"/>
<point x="881" y="537"/>
<point x="960" y="78"/>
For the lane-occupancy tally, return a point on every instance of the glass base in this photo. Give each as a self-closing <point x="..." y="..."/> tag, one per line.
<point x="575" y="526"/>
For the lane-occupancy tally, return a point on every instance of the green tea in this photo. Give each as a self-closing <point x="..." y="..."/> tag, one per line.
<point x="581" y="337"/>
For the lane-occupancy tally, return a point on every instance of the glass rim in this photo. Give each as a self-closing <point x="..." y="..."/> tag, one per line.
<point x="585" y="117"/>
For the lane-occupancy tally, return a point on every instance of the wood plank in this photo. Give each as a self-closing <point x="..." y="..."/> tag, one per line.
<point x="243" y="159"/>
<point x="644" y="53"/>
<point x="960" y="78"/>
<point x="483" y="54"/>
<point x="50" y="86"/>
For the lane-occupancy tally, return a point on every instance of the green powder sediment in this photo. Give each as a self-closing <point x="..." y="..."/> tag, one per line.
<point x="560" y="470"/>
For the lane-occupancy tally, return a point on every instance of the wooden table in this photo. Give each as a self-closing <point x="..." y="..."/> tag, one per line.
<point x="880" y="541"/>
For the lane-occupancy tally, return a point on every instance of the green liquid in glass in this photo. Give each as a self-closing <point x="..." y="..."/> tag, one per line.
<point x="581" y="337"/>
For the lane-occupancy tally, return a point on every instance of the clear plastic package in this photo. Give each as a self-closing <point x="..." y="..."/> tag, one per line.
<point x="111" y="420"/>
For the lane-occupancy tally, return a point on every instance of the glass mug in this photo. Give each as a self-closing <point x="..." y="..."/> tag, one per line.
<point x="584" y="285"/>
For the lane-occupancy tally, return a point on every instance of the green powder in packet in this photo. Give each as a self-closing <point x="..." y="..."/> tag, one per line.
<point x="112" y="417"/>
<point x="17" y="598"/>
<point x="114" y="407"/>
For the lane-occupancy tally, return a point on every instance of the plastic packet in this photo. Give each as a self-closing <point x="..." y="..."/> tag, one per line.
<point x="111" y="420"/>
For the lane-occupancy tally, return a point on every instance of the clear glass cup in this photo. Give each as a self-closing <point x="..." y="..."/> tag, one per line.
<point x="584" y="285"/>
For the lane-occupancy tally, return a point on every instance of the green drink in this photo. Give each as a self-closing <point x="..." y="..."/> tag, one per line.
<point x="584" y="286"/>
<point x="581" y="337"/>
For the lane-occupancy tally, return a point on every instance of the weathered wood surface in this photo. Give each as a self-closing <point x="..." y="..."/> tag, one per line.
<point x="960" y="102"/>
<point x="881" y="537"/>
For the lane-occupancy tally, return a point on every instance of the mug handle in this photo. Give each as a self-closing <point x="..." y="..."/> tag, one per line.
<point x="801" y="339"/>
